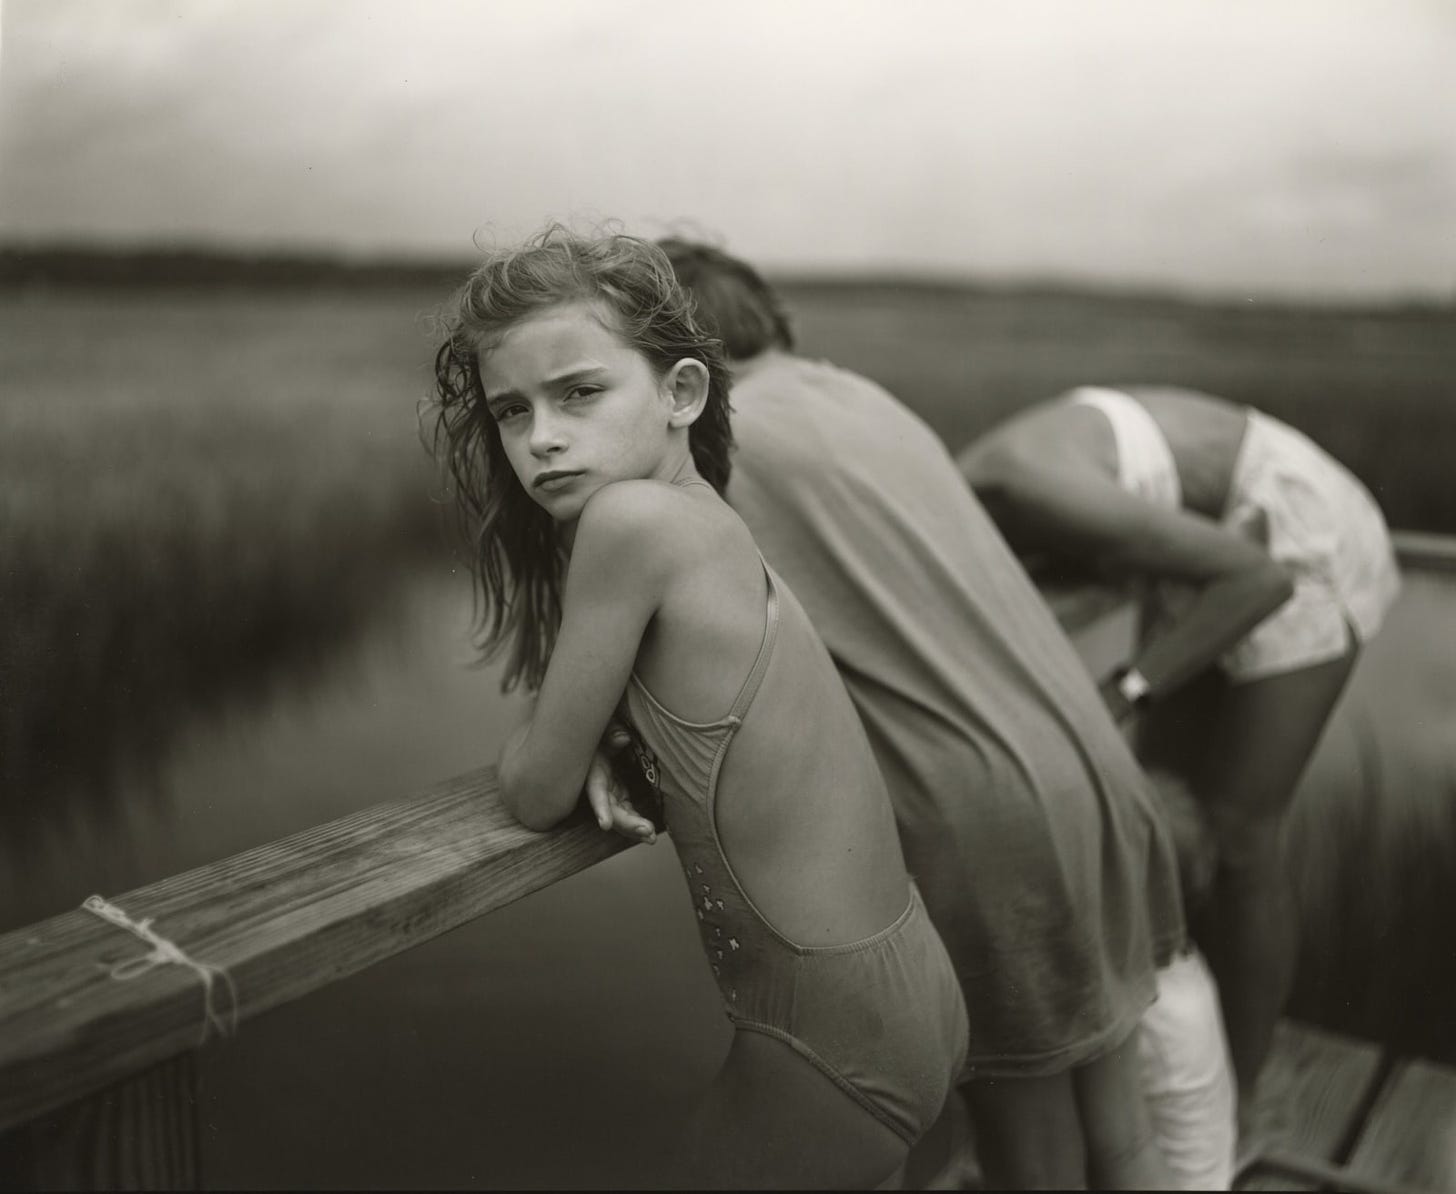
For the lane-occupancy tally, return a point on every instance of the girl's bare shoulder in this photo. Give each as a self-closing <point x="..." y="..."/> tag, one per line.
<point x="653" y="522"/>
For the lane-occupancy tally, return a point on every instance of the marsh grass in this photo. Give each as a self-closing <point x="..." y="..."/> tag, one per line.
<point x="198" y="491"/>
<point x="1375" y="886"/>
<point x="1371" y="839"/>
<point x="1373" y="387"/>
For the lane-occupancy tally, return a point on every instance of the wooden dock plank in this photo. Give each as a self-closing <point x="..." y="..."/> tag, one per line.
<point x="282" y="920"/>
<point x="1409" y="1137"/>
<point x="1311" y="1092"/>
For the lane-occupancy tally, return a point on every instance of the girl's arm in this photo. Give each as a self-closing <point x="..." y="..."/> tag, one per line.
<point x="1079" y="513"/>
<point x="621" y="562"/>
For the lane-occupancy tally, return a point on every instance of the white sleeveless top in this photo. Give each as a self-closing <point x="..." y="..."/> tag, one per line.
<point x="1145" y="464"/>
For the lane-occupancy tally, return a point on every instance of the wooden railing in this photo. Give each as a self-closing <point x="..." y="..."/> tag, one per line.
<point x="278" y="922"/>
<point x="96" y="1084"/>
<point x="1421" y="552"/>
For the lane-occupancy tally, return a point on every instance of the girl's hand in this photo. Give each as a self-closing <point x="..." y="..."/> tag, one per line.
<point x="610" y="804"/>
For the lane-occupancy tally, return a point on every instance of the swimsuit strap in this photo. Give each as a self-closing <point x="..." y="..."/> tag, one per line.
<point x="750" y="686"/>
<point x="765" y="650"/>
<point x="770" y="627"/>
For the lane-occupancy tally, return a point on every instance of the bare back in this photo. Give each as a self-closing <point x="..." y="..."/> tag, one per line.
<point x="800" y="808"/>
<point x="1203" y="433"/>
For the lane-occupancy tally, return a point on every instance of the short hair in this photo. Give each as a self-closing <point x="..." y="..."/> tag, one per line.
<point x="518" y="558"/>
<point x="730" y="297"/>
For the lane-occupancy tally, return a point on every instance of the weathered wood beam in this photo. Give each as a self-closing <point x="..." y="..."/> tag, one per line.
<point x="1409" y="1138"/>
<point x="1323" y="1175"/>
<point x="1423" y="552"/>
<point x="282" y="920"/>
<point x="1311" y="1092"/>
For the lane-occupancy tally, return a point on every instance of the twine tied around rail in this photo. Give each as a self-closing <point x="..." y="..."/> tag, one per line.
<point x="166" y="952"/>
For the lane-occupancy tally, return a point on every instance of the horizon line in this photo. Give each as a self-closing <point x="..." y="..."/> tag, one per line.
<point x="23" y="261"/>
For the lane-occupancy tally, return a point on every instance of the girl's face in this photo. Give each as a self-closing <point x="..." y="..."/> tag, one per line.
<point x="578" y="407"/>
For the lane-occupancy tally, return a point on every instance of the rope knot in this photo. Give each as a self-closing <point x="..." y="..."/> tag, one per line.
<point x="164" y="952"/>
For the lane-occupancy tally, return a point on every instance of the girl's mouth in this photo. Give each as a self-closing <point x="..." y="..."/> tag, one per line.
<point x="552" y="481"/>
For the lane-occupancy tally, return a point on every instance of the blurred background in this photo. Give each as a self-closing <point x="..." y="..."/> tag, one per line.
<point x="230" y="604"/>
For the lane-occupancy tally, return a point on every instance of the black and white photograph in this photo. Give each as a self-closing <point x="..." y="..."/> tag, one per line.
<point x="798" y="594"/>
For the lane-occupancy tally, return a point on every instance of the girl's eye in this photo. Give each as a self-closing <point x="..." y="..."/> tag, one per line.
<point x="505" y="413"/>
<point x="582" y="392"/>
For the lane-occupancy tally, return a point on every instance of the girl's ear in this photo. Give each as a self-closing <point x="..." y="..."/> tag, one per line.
<point x="687" y="384"/>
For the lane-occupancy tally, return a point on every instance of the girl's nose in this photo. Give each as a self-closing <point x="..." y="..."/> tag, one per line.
<point x="546" y="436"/>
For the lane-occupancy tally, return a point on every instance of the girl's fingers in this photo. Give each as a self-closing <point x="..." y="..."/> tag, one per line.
<point x="599" y="785"/>
<point x="630" y="823"/>
<point x="611" y="806"/>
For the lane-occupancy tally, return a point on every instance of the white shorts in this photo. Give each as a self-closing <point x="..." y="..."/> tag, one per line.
<point x="1316" y="518"/>
<point x="1187" y="1076"/>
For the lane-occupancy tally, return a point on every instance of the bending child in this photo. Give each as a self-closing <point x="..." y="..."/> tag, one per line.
<point x="1259" y="553"/>
<point x="584" y="416"/>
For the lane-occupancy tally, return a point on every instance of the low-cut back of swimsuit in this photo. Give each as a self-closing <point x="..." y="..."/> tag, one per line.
<point x="882" y="1017"/>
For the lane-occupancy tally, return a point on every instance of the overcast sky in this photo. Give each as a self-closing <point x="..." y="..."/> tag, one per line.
<point x="1230" y="146"/>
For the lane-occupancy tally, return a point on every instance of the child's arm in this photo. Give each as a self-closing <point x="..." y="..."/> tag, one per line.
<point x="1238" y="584"/>
<point x="621" y="562"/>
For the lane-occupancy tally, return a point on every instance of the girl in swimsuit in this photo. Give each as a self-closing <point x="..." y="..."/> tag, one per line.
<point x="1260" y="554"/>
<point x="584" y="417"/>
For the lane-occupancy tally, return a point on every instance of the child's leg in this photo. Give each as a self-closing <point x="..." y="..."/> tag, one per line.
<point x="1028" y="1132"/>
<point x="772" y="1120"/>
<point x="1089" y="1126"/>
<point x="1266" y="731"/>
<point x="1122" y="1150"/>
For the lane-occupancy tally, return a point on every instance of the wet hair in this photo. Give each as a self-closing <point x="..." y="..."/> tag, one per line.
<point x="730" y="297"/>
<point x="518" y="557"/>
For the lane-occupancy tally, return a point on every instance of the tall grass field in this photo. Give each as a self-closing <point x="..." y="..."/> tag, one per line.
<point x="197" y="489"/>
